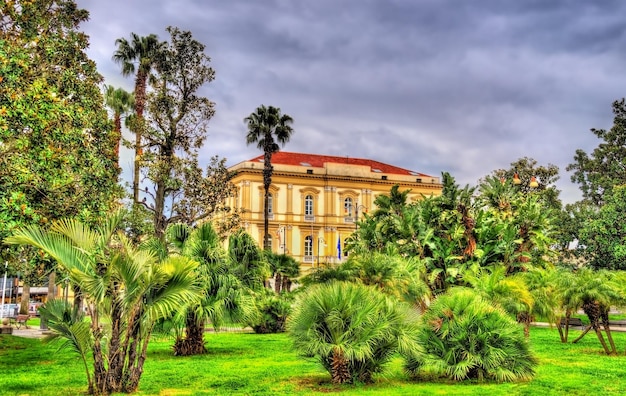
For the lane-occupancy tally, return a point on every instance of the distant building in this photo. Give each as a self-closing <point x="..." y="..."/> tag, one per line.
<point x="315" y="200"/>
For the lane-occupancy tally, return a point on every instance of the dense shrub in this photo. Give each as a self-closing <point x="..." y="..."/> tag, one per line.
<point x="464" y="336"/>
<point x="352" y="329"/>
<point x="270" y="312"/>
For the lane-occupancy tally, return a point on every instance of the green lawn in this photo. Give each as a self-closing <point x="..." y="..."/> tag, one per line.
<point x="239" y="363"/>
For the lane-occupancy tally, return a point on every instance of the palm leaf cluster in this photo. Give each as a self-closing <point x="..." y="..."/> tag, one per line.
<point x="461" y="230"/>
<point x="464" y="336"/>
<point x="353" y="330"/>
<point x="124" y="290"/>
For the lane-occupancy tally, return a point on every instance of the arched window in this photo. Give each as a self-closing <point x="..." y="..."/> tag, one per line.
<point x="308" y="205"/>
<point x="270" y="204"/>
<point x="347" y="207"/>
<point x="344" y="252"/>
<point x="269" y="240"/>
<point x="308" y="246"/>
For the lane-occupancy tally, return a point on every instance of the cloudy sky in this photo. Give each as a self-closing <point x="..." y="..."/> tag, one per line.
<point x="429" y="85"/>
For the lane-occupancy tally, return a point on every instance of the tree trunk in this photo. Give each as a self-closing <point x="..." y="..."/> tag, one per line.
<point x="25" y="298"/>
<point x="584" y="333"/>
<point x="267" y="181"/>
<point x="278" y="282"/>
<point x="340" y="372"/>
<point x="52" y="277"/>
<point x="193" y="342"/>
<point x="140" y="97"/>
<point x="601" y="338"/>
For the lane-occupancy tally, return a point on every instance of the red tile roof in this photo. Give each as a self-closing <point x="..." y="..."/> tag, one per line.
<point x="318" y="161"/>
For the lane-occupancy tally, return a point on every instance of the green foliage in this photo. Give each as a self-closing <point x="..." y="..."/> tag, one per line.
<point x="464" y="336"/>
<point x="222" y="294"/>
<point x="603" y="235"/>
<point x="268" y="127"/>
<point x="353" y="330"/>
<point x="284" y="268"/>
<point x="249" y="263"/>
<point x="597" y="173"/>
<point x="57" y="150"/>
<point x="126" y="291"/>
<point x="271" y="311"/>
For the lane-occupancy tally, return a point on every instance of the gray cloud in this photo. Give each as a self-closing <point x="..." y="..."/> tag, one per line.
<point x="432" y="86"/>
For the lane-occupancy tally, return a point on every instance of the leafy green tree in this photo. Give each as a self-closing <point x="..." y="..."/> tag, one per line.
<point x="525" y="171"/>
<point x="57" y="149"/>
<point x="601" y="170"/>
<point x="352" y="329"/>
<point x="145" y="51"/>
<point x="177" y="120"/>
<point x="603" y="234"/>
<point x="127" y="289"/>
<point x="464" y="336"/>
<point x="268" y="127"/>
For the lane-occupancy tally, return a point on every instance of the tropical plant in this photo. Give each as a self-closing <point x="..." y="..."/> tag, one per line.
<point x="284" y="269"/>
<point x="353" y="330"/>
<point x="125" y="291"/>
<point x="145" y="51"/>
<point x="594" y="292"/>
<point x="120" y="102"/>
<point x="268" y="127"/>
<point x="464" y="336"/>
<point x="222" y="295"/>
<point x="271" y="311"/>
<point x="248" y="262"/>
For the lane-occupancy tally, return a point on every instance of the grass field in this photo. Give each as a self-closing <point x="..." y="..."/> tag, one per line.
<point x="247" y="364"/>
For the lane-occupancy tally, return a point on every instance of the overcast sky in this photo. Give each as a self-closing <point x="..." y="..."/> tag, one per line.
<point x="465" y="87"/>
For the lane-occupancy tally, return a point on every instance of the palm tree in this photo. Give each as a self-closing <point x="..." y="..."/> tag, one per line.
<point x="267" y="127"/>
<point x="594" y="292"/>
<point x="352" y="329"/>
<point x="145" y="51"/>
<point x="222" y="292"/>
<point x="126" y="291"/>
<point x="465" y="336"/>
<point x="120" y="102"/>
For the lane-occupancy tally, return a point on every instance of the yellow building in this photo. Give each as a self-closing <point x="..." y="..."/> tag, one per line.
<point x="316" y="199"/>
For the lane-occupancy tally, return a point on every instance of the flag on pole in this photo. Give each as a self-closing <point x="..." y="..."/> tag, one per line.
<point x="339" y="248"/>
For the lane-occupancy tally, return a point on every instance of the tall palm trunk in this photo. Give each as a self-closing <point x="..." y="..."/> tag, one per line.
<point x="117" y="130"/>
<point x="267" y="181"/>
<point x="140" y="98"/>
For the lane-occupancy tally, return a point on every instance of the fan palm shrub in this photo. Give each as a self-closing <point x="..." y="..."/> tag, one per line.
<point x="270" y="311"/>
<point x="126" y="291"/>
<point x="352" y="329"/>
<point x="464" y="337"/>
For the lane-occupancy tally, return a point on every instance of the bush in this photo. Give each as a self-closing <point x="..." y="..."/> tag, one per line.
<point x="271" y="311"/>
<point x="352" y="329"/>
<point x="463" y="336"/>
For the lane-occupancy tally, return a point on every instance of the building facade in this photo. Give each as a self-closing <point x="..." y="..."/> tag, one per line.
<point x="315" y="200"/>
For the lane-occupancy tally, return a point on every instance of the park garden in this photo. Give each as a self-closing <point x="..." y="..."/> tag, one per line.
<point x="438" y="295"/>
